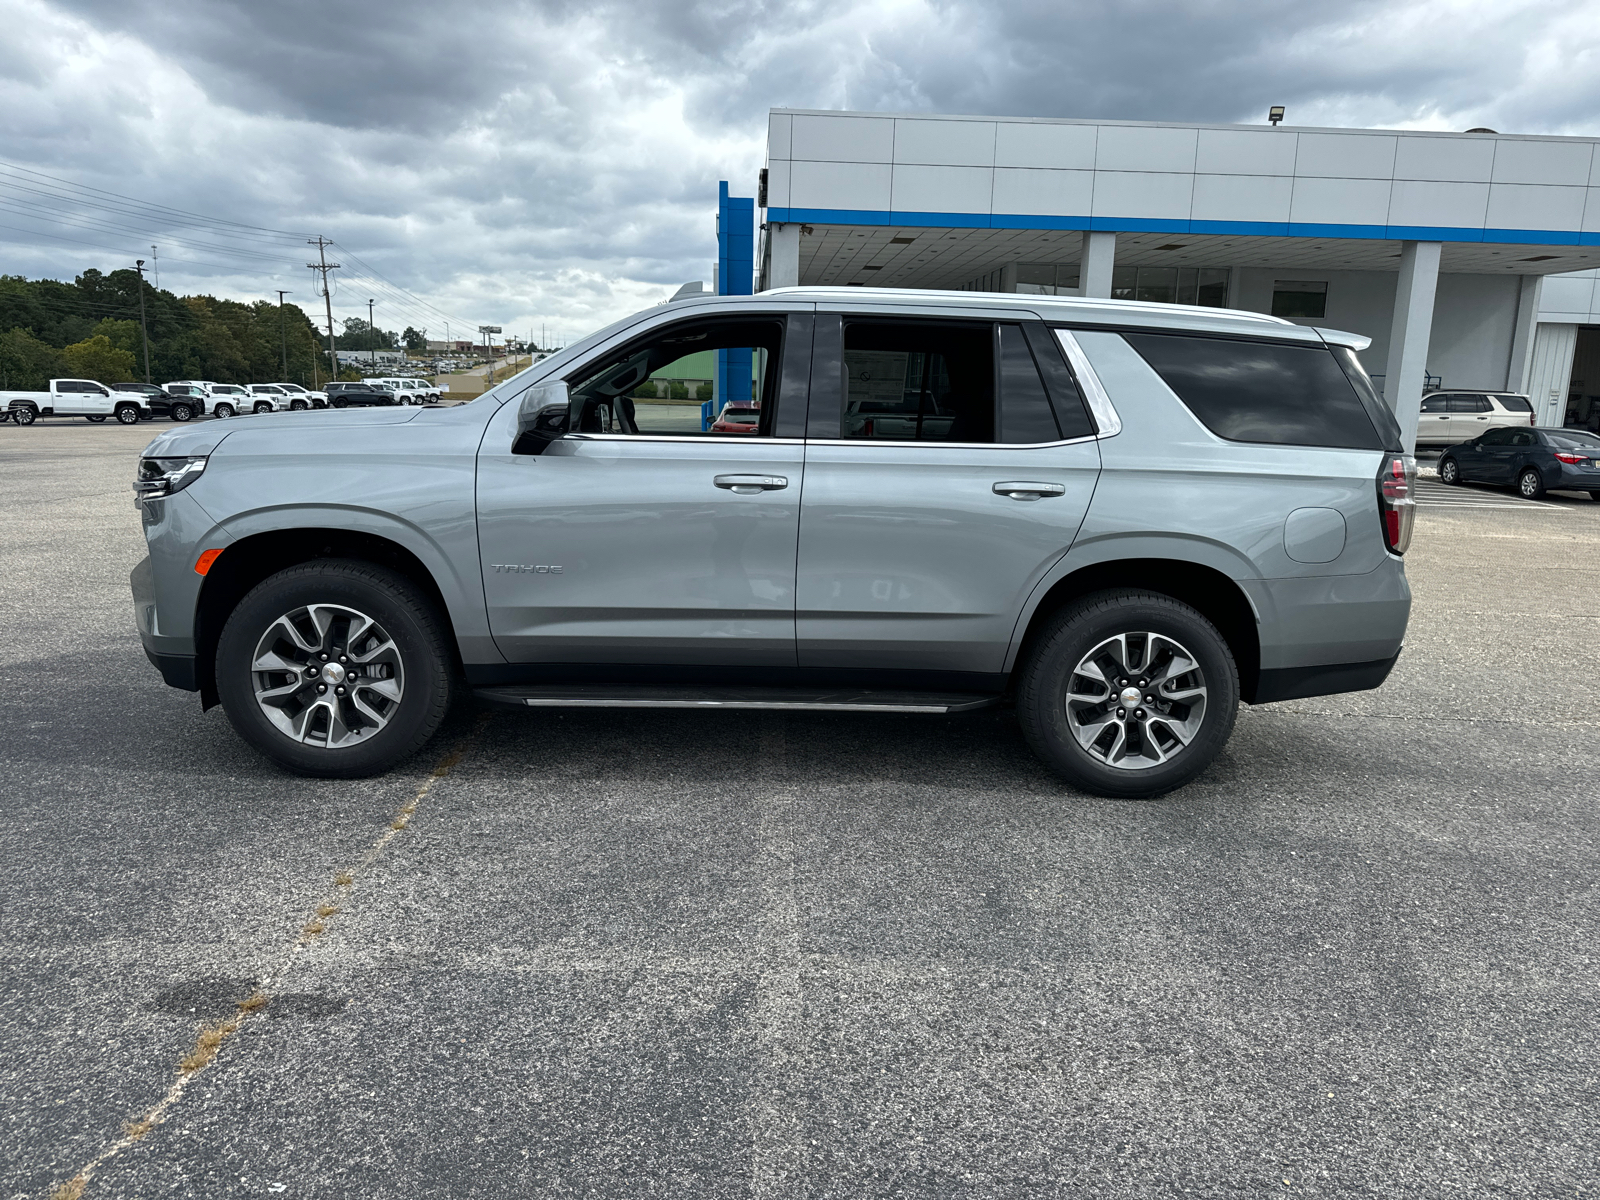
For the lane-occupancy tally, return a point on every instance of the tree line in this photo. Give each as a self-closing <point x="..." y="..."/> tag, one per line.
<point x="89" y="329"/>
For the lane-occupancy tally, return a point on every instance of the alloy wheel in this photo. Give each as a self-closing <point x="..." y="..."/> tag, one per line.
<point x="326" y="675"/>
<point x="1136" y="700"/>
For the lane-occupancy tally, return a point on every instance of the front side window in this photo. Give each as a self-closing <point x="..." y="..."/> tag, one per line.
<point x="681" y="379"/>
<point x="1269" y="392"/>
<point x="918" y="381"/>
<point x="1435" y="404"/>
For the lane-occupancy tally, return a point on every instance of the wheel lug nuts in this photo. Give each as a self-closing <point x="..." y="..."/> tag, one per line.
<point x="1139" y="712"/>
<point x="324" y="658"/>
<point x="1122" y="712"/>
<point x="1141" y="683"/>
<point x="321" y="687"/>
<point x="343" y="659"/>
<point x="339" y="691"/>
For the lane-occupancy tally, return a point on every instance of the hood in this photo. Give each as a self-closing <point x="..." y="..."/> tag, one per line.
<point x="204" y="439"/>
<point x="187" y="442"/>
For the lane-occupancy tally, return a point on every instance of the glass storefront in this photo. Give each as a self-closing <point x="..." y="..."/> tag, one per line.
<point x="1206" y="286"/>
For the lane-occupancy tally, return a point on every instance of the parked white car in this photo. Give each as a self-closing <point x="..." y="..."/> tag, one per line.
<point x="310" y="398"/>
<point x="269" y="397"/>
<point x="1450" y="418"/>
<point x="73" y="398"/>
<point x="234" y="397"/>
<point x="407" y="389"/>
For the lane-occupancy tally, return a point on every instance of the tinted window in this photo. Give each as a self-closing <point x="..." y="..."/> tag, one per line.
<point x="1514" y="404"/>
<point x="1496" y="437"/>
<point x="1572" y="439"/>
<point x="1435" y="404"/>
<point x="1260" y="391"/>
<point x="1522" y="437"/>
<point x="1025" y="414"/>
<point x="918" y="381"/>
<point x="1467" y="404"/>
<point x="1380" y="414"/>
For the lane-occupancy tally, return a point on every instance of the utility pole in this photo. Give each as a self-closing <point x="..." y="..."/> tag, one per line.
<point x="488" y="332"/>
<point x="143" y="328"/>
<point x="155" y="267"/>
<point x="322" y="243"/>
<point x="372" y="335"/>
<point x="283" y="335"/>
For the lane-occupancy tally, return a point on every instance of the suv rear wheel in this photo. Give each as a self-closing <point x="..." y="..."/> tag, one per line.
<point x="335" y="668"/>
<point x="1128" y="694"/>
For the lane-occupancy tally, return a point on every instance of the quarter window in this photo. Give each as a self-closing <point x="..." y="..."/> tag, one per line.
<point x="1516" y="404"/>
<point x="1261" y="391"/>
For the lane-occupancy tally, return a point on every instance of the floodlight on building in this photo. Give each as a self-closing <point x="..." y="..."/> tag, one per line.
<point x="1275" y="114"/>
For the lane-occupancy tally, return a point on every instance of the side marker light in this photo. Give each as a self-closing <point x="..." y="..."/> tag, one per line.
<point x="203" y="563"/>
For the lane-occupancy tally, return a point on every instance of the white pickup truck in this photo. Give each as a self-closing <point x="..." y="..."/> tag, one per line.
<point x="72" y="398"/>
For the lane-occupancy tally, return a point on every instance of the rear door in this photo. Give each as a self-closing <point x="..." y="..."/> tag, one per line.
<point x="1469" y="415"/>
<point x="639" y="538"/>
<point x="944" y="476"/>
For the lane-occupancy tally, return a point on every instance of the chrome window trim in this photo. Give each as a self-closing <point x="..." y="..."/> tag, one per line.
<point x="1104" y="412"/>
<point x="930" y="444"/>
<point x="733" y="438"/>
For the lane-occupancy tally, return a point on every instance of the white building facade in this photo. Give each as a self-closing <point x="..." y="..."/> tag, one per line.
<point x="1438" y="246"/>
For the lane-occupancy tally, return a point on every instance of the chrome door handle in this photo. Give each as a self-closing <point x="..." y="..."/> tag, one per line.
<point x="750" y="485"/>
<point x="1022" y="490"/>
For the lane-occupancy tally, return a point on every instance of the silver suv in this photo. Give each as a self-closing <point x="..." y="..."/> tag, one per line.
<point x="1122" y="518"/>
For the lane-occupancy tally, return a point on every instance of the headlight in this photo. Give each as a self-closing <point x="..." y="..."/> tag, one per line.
<point x="159" y="477"/>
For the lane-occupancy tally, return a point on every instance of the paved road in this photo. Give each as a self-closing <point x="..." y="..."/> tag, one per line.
<point x="727" y="955"/>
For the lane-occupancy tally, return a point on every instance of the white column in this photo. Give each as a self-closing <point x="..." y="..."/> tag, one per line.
<point x="783" y="244"/>
<point x="1094" y="269"/>
<point x="1522" y="339"/>
<point x="1408" y="336"/>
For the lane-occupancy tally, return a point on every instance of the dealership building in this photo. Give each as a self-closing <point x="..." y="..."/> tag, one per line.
<point x="1469" y="259"/>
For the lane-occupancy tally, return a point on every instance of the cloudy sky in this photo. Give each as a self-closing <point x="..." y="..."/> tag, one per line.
<point x="557" y="163"/>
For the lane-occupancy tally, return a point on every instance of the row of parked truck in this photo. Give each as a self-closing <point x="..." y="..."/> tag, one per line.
<point x="185" y="399"/>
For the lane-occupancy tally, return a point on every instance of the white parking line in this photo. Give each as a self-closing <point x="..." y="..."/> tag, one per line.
<point x="1432" y="494"/>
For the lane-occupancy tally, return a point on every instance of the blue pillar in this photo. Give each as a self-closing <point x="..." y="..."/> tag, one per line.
<point x="736" y="255"/>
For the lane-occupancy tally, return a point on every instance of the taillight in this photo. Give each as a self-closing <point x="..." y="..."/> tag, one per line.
<point x="1397" y="500"/>
<point x="1574" y="459"/>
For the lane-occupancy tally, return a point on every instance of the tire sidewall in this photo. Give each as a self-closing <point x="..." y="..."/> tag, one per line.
<point x="123" y="415"/>
<point x="1450" y="471"/>
<point x="222" y="410"/>
<point x="1536" y="490"/>
<point x="1074" y="632"/>
<point x="180" y="412"/>
<point x="382" y="595"/>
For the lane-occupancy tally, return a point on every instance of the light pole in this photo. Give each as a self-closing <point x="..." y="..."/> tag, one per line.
<point x="372" y="336"/>
<point x="283" y="334"/>
<point x="143" y="328"/>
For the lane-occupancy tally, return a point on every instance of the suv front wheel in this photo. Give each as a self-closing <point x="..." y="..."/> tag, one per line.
<point x="335" y="668"/>
<point x="1128" y="694"/>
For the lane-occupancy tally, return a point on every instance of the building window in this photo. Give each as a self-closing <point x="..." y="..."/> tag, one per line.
<point x="1299" y="298"/>
<point x="1048" y="279"/>
<point x="1205" y="286"/>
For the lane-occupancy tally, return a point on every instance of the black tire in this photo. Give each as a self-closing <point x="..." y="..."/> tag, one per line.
<point x="1594" y="495"/>
<point x="341" y="402"/>
<point x="223" y="410"/>
<point x="127" y="414"/>
<point x="1081" y="627"/>
<point x="97" y="418"/>
<point x="23" y="415"/>
<point x="411" y="622"/>
<point x="1530" y="484"/>
<point x="1450" y="472"/>
<point x="297" y="406"/>
<point x="180" y="412"/>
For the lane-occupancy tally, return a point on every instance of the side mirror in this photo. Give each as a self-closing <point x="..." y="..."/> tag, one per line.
<point x="541" y="417"/>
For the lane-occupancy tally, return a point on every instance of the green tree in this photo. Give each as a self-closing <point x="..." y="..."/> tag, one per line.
<point x="646" y="390"/>
<point x="27" y="364"/>
<point x="415" y="341"/>
<point x="702" y="392"/>
<point x="96" y="358"/>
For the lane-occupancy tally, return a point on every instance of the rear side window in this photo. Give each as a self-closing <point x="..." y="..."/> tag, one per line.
<point x="1261" y="391"/>
<point x="1514" y="404"/>
<point x="1025" y="414"/>
<point x="919" y="382"/>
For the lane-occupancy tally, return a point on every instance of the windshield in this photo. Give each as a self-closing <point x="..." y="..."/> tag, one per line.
<point x="1574" y="439"/>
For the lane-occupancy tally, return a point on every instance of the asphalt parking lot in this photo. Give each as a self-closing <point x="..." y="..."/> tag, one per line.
<point x="633" y="953"/>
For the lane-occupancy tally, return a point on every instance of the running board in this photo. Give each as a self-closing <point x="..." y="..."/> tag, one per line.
<point x="621" y="696"/>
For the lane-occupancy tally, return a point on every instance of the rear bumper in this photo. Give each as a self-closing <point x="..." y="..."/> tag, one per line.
<point x="1296" y="683"/>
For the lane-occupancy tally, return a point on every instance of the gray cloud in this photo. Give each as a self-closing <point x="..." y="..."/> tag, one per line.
<point x="512" y="162"/>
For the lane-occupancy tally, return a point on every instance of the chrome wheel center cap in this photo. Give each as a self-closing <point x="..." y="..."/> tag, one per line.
<point x="1130" y="697"/>
<point x="333" y="673"/>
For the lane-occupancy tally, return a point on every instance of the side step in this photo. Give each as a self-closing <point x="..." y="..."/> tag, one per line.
<point x="623" y="696"/>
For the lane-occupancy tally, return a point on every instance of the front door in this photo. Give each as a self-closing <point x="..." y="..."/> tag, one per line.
<point x="1433" y="426"/>
<point x="943" y="478"/>
<point x="640" y="537"/>
<point x="1496" y="456"/>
